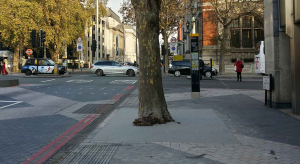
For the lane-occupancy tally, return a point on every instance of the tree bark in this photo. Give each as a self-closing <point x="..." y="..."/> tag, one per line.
<point x="16" y="59"/>
<point x="54" y="54"/>
<point x="166" y="44"/>
<point x="225" y="48"/>
<point x="152" y="104"/>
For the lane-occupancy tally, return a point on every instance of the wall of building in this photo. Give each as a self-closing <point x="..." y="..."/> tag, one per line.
<point x="277" y="56"/>
<point x="109" y="28"/>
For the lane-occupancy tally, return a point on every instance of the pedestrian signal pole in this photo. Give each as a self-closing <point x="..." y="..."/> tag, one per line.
<point x="195" y="66"/>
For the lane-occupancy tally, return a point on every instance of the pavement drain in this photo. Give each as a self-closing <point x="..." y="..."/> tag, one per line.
<point x="98" y="154"/>
<point x="92" y="109"/>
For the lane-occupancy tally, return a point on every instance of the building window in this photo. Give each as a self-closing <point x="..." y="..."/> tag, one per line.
<point x="247" y="38"/>
<point x="88" y="53"/>
<point x="245" y="32"/>
<point x="235" y="38"/>
<point x="235" y="23"/>
<point x="258" y="35"/>
<point x="88" y="43"/>
<point x="247" y="22"/>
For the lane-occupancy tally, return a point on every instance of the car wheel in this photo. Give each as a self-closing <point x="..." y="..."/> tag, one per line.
<point x="208" y="74"/>
<point x="177" y="73"/>
<point x="131" y="73"/>
<point x="99" y="72"/>
<point x="28" y="73"/>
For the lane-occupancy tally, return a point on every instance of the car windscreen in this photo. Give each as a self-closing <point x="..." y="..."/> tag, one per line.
<point x="51" y="62"/>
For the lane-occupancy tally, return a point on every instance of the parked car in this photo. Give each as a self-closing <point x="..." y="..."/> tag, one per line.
<point x="102" y="68"/>
<point x="184" y="68"/>
<point x="128" y="64"/>
<point x="43" y="66"/>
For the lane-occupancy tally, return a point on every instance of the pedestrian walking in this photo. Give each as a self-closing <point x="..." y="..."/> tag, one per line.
<point x="81" y="66"/>
<point x="239" y="68"/>
<point x="3" y="68"/>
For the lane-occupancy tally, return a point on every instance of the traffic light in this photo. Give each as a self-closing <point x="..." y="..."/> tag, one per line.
<point x="42" y="37"/>
<point x="33" y="38"/>
<point x="94" y="46"/>
<point x="163" y="50"/>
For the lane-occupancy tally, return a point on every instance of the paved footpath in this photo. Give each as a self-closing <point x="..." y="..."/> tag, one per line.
<point x="223" y="126"/>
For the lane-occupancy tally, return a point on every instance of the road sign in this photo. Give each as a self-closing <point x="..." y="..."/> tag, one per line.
<point x="29" y="51"/>
<point x="79" y="46"/>
<point x="173" y="48"/>
<point x="79" y="39"/>
<point x="173" y="40"/>
<point x="266" y="83"/>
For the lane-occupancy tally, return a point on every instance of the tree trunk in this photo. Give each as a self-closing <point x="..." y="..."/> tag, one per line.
<point x="166" y="44"/>
<point x="152" y="104"/>
<point x="55" y="54"/>
<point x="225" y="49"/>
<point x="16" y="59"/>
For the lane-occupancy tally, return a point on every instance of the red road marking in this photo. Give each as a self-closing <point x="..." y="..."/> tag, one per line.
<point x="114" y="97"/>
<point x="55" y="149"/>
<point x="117" y="97"/>
<point x="106" y="107"/>
<point x="54" y="142"/>
<point x="129" y="88"/>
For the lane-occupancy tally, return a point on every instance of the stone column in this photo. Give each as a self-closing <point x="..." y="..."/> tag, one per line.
<point x="295" y="66"/>
<point x="277" y="52"/>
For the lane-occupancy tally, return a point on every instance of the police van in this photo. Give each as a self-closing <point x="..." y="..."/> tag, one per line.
<point x="260" y="63"/>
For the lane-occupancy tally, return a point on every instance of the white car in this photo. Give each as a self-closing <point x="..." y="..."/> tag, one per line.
<point x="102" y="68"/>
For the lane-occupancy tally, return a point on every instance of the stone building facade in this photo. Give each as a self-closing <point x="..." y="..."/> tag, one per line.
<point x="111" y="40"/>
<point x="282" y="52"/>
<point x="245" y="33"/>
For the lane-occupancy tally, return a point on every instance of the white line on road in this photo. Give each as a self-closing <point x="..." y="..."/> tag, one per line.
<point x="13" y="103"/>
<point x="47" y="81"/>
<point x="79" y="81"/>
<point x="224" y="84"/>
<point x="123" y="82"/>
<point x="102" y="88"/>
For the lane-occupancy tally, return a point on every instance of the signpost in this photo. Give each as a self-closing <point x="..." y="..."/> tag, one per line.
<point x="173" y="40"/>
<point x="173" y="45"/>
<point x="29" y="52"/>
<point x="195" y="66"/>
<point x="79" y="48"/>
<point x="173" y="48"/>
<point x="266" y="83"/>
<point x="267" y="86"/>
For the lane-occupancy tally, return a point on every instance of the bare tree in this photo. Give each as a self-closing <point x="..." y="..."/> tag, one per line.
<point x="152" y="104"/>
<point x="227" y="11"/>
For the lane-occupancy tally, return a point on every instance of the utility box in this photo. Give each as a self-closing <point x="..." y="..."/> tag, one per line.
<point x="178" y="57"/>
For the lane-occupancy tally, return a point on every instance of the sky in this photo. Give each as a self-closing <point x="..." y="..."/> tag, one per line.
<point x="115" y="5"/>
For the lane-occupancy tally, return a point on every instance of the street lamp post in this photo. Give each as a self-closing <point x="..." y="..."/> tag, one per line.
<point x="97" y="29"/>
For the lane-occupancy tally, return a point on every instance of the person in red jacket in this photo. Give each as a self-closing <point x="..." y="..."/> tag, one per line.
<point x="239" y="68"/>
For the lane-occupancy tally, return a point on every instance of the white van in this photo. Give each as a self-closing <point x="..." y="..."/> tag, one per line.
<point x="260" y="66"/>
